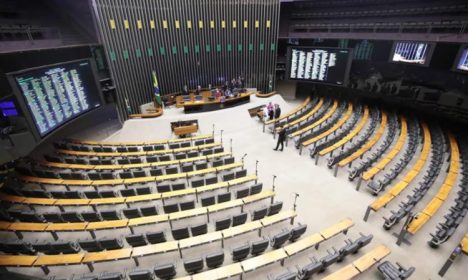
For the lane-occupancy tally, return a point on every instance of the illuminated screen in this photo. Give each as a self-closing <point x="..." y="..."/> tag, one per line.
<point x="411" y="52"/>
<point x="326" y="65"/>
<point x="462" y="60"/>
<point x="56" y="94"/>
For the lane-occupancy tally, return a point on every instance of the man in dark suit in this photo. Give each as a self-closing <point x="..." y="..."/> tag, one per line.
<point x="281" y="138"/>
<point x="277" y="111"/>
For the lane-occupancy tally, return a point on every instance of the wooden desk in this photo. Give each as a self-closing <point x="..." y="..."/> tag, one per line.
<point x="20" y="226"/>
<point x="281" y="216"/>
<point x="200" y="239"/>
<point x="67" y="226"/>
<point x="344" y="273"/>
<point x="372" y="257"/>
<point x="303" y="244"/>
<point x="206" y="105"/>
<point x="17" y="260"/>
<point x="107" y="224"/>
<point x="262" y="260"/>
<point x="148" y="220"/>
<point x="59" y="259"/>
<point x="222" y="272"/>
<point x="241" y="229"/>
<point x="185" y="130"/>
<point x="108" y="255"/>
<point x="337" y="228"/>
<point x="257" y="197"/>
<point x="152" y="249"/>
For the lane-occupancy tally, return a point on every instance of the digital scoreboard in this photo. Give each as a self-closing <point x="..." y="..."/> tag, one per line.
<point x="56" y="94"/>
<point x="325" y="65"/>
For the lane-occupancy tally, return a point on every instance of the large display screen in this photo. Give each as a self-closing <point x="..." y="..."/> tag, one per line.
<point x="412" y="52"/>
<point x="325" y="65"/>
<point x="461" y="63"/>
<point x="58" y="93"/>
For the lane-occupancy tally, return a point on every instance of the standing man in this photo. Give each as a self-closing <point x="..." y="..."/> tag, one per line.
<point x="281" y="138"/>
<point x="277" y="111"/>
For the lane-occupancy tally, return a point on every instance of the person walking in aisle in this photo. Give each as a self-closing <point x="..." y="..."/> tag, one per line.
<point x="281" y="138"/>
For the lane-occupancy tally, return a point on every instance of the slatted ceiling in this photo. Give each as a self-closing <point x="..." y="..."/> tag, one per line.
<point x="160" y="24"/>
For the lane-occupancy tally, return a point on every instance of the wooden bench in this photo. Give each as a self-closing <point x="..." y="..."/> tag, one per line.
<point x="290" y="113"/>
<point x="360" y="265"/>
<point x="138" y="143"/>
<point x="127" y="154"/>
<point x="350" y="135"/>
<point x="400" y="186"/>
<point x="421" y="218"/>
<point x="329" y="113"/>
<point x="335" y="127"/>
<point x="141" y="251"/>
<point x="182" y="175"/>
<point x="369" y="174"/>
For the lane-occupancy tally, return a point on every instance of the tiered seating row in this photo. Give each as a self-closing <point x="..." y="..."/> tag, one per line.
<point x="183" y="175"/>
<point x="379" y="152"/>
<point x="360" y="265"/>
<point x="399" y="187"/>
<point x="429" y="178"/>
<point x="342" y="120"/>
<point x="368" y="145"/>
<point x="138" y="153"/>
<point x="391" y="155"/>
<point x="18" y="227"/>
<point x="349" y="136"/>
<point x="318" y="122"/>
<point x="124" y="200"/>
<point x="138" y="143"/>
<point x="458" y="211"/>
<point x="413" y="139"/>
<point x="433" y="206"/>
<point x="140" y="251"/>
<point x="60" y="165"/>
<point x="278" y="255"/>
<point x="304" y="117"/>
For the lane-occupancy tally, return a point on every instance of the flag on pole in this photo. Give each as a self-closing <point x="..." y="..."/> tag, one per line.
<point x="157" y="95"/>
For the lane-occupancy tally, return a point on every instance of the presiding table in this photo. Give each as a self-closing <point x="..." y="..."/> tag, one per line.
<point x="209" y="104"/>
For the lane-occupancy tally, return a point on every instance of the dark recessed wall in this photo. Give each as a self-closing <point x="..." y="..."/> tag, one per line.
<point x="187" y="43"/>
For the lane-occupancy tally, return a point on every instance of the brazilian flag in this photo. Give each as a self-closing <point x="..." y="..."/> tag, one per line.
<point x="157" y="94"/>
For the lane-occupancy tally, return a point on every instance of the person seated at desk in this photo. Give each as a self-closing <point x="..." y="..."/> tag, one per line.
<point x="217" y="94"/>
<point x="198" y="90"/>
<point x="228" y="93"/>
